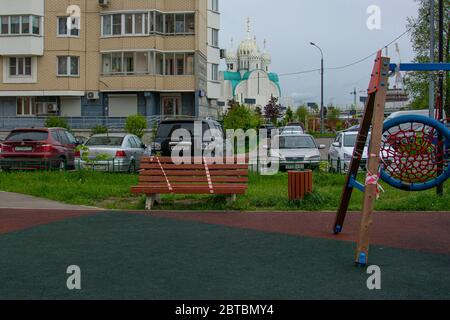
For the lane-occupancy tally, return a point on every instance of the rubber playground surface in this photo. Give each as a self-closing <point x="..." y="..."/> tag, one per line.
<point x="235" y="256"/>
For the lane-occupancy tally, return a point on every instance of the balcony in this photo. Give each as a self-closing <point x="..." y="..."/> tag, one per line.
<point x="22" y="28"/>
<point x="28" y="45"/>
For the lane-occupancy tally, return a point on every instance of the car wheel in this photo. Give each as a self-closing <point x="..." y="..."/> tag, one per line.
<point x="339" y="166"/>
<point x="62" y="165"/>
<point x="132" y="168"/>
<point x="330" y="165"/>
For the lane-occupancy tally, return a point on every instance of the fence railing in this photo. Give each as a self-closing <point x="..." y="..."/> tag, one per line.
<point x="9" y="123"/>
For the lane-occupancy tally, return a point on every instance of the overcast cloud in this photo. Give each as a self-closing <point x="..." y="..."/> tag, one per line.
<point x="338" y="26"/>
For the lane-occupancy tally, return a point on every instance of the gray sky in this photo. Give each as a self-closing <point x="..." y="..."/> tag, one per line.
<point x="338" y="26"/>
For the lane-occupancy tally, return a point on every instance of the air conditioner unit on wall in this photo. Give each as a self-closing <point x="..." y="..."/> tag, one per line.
<point x="93" y="95"/>
<point x="52" y="108"/>
<point x="223" y="53"/>
<point x="103" y="3"/>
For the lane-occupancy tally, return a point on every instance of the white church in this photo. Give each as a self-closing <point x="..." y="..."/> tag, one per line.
<point x="248" y="79"/>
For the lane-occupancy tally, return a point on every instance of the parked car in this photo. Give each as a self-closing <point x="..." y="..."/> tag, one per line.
<point x="269" y="128"/>
<point x="292" y="130"/>
<point x="297" y="151"/>
<point x="212" y="135"/>
<point x="341" y="152"/>
<point x="119" y="152"/>
<point x="38" y="148"/>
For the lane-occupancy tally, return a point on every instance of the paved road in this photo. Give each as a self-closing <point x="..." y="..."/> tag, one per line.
<point x="327" y="142"/>
<point x="10" y="200"/>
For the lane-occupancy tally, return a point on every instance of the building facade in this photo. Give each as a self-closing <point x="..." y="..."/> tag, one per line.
<point x="95" y="62"/>
<point x="248" y="78"/>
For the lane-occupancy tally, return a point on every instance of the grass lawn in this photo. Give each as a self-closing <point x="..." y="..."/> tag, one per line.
<point x="112" y="191"/>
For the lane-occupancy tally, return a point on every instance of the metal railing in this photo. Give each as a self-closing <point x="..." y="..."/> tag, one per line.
<point x="9" y="123"/>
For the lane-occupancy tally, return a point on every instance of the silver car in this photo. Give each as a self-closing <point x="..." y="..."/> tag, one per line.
<point x="112" y="153"/>
<point x="297" y="151"/>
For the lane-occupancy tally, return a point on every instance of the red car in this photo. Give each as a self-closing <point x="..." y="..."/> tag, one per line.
<point x="38" y="148"/>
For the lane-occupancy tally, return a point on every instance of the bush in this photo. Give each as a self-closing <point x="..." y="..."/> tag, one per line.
<point x="56" y="122"/>
<point x="241" y="117"/>
<point x="99" y="130"/>
<point x="136" y="125"/>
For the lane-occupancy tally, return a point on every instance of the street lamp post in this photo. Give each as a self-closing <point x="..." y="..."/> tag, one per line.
<point x="322" y="109"/>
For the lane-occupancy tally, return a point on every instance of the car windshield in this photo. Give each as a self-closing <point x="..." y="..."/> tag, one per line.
<point x="166" y="130"/>
<point x="297" y="142"/>
<point x="28" y="136"/>
<point x="105" y="141"/>
<point x="350" y="140"/>
<point x="292" y="130"/>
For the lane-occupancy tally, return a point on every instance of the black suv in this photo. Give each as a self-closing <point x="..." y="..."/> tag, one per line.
<point x="212" y="133"/>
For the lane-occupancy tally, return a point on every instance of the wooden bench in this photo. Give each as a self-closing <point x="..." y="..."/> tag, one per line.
<point x="161" y="176"/>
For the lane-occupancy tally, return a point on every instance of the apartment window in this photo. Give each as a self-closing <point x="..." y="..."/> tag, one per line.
<point x="117" y="24"/>
<point x="180" y="23"/>
<point x="148" y="22"/>
<point x="170" y="64"/>
<point x="159" y="62"/>
<point x="25" y="23"/>
<point x="128" y="62"/>
<point x="116" y="62"/>
<point x="36" y="25"/>
<point x="215" y="5"/>
<point x="15" y="25"/>
<point x="68" y="66"/>
<point x="189" y="64"/>
<point x="139" y="23"/>
<point x="214" y="37"/>
<point x="129" y="23"/>
<point x="142" y="62"/>
<point x="190" y="23"/>
<point x="107" y="25"/>
<point x="20" y="66"/>
<point x="214" y="72"/>
<point x="25" y="106"/>
<point x="134" y="24"/>
<point x="4" y="25"/>
<point x="159" y="22"/>
<point x="147" y="62"/>
<point x="170" y="23"/>
<point x="19" y="25"/>
<point x="69" y="26"/>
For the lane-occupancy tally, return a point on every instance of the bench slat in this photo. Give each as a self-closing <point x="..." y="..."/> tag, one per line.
<point x="226" y="160"/>
<point x="189" y="190"/>
<point x="193" y="173"/>
<point x="194" y="167"/>
<point x="193" y="179"/>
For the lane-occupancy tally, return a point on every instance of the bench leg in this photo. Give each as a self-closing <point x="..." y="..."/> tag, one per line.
<point x="232" y="198"/>
<point x="152" y="199"/>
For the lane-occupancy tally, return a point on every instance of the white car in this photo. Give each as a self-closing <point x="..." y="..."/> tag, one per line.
<point x="297" y="151"/>
<point x="341" y="152"/>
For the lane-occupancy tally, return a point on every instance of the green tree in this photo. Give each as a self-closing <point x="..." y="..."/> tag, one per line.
<point x="417" y="82"/>
<point x="136" y="125"/>
<point x="56" y="122"/>
<point x="333" y="113"/>
<point x="272" y="111"/>
<point x="241" y="117"/>
<point x="289" y="117"/>
<point x="302" y="114"/>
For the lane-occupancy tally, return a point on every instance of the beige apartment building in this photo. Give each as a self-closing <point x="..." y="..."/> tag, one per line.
<point x="99" y="61"/>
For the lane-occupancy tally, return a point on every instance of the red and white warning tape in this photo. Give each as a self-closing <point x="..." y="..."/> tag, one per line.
<point x="208" y="176"/>
<point x="373" y="179"/>
<point x="165" y="175"/>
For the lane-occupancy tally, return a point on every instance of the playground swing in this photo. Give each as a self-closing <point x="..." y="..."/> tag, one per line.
<point x="410" y="153"/>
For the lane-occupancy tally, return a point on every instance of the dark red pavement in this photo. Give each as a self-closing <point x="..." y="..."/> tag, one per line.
<point x="416" y="230"/>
